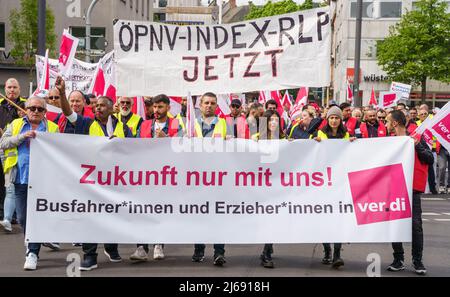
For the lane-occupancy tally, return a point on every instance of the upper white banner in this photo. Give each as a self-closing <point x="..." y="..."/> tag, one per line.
<point x="279" y="52"/>
<point x="184" y="190"/>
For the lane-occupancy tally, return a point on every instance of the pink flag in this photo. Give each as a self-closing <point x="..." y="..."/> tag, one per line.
<point x="302" y="96"/>
<point x="98" y="86"/>
<point x="44" y="84"/>
<point x="67" y="52"/>
<point x="373" y="99"/>
<point x="190" y="117"/>
<point x="349" y="93"/>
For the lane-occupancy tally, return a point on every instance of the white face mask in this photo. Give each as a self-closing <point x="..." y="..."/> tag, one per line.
<point x="125" y="113"/>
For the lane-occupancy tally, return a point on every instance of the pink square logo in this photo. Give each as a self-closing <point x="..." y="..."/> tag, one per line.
<point x="379" y="194"/>
<point x="442" y="128"/>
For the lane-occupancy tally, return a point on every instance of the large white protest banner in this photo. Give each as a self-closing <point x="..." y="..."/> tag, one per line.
<point x="78" y="77"/>
<point x="163" y="192"/>
<point x="278" y="52"/>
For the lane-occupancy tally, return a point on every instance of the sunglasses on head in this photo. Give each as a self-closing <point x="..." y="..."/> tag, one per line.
<point x="34" y="108"/>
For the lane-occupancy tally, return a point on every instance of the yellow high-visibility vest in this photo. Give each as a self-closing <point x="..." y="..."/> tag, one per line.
<point x="96" y="130"/>
<point x="12" y="155"/>
<point x="132" y="123"/>
<point x="220" y="129"/>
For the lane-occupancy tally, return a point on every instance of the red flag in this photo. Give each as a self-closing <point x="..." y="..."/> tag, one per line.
<point x="349" y="93"/>
<point x="302" y="96"/>
<point x="373" y="99"/>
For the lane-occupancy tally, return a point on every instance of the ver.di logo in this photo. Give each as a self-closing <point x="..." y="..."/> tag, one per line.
<point x="379" y="194"/>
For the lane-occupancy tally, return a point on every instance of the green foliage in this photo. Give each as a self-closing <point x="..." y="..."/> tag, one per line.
<point x="418" y="47"/>
<point x="275" y="8"/>
<point x="24" y="32"/>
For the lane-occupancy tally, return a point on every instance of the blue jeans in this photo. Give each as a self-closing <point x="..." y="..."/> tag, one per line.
<point x="10" y="203"/>
<point x="219" y="249"/>
<point x="21" y="209"/>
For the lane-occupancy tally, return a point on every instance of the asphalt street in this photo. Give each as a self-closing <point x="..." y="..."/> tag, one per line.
<point x="291" y="260"/>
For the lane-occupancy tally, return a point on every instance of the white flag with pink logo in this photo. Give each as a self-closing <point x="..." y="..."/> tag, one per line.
<point x="439" y="126"/>
<point x="104" y="81"/>
<point x="67" y="51"/>
<point x="190" y="117"/>
<point x="44" y="83"/>
<point x="389" y="99"/>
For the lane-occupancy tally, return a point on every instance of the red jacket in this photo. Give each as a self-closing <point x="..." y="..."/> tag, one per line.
<point x="146" y="130"/>
<point x="351" y="125"/>
<point x="381" y="130"/>
<point x="420" y="177"/>
<point x="243" y="130"/>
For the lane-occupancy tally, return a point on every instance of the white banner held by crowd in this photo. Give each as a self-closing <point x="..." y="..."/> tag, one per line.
<point x="78" y="78"/>
<point x="278" y="52"/>
<point x="234" y="191"/>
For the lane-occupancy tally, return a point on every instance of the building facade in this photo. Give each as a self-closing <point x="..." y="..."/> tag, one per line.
<point x="378" y="16"/>
<point x="70" y="14"/>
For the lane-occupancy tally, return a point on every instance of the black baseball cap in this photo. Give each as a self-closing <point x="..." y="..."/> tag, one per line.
<point x="236" y="102"/>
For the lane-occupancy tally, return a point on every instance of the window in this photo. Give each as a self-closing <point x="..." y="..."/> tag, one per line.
<point x="2" y="35"/>
<point x="97" y="42"/>
<point x="368" y="49"/>
<point x="367" y="11"/>
<point x="390" y="9"/>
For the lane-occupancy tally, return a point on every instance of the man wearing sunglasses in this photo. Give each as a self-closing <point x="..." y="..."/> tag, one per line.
<point x="237" y="126"/>
<point x="16" y="145"/>
<point x="126" y="116"/>
<point x="381" y="116"/>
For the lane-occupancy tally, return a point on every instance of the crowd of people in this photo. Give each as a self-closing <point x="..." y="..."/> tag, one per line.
<point x="100" y="116"/>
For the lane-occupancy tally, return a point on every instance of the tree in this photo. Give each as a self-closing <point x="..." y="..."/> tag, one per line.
<point x="24" y="32"/>
<point x="418" y="47"/>
<point x="281" y="7"/>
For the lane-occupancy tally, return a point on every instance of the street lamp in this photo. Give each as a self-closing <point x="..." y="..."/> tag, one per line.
<point x="88" y="30"/>
<point x="41" y="27"/>
<point x="359" y="7"/>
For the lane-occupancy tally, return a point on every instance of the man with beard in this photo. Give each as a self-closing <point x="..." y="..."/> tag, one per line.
<point x="126" y="116"/>
<point x="372" y="128"/>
